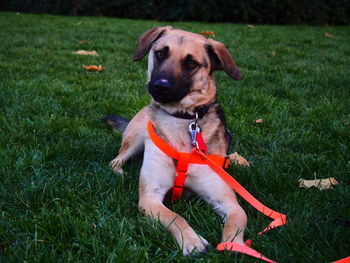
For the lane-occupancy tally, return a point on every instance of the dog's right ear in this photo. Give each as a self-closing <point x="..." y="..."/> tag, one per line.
<point x="146" y="40"/>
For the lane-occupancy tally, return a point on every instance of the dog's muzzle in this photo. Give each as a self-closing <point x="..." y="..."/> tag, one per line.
<point x="163" y="91"/>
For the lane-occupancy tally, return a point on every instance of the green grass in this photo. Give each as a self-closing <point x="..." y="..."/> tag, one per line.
<point x="59" y="199"/>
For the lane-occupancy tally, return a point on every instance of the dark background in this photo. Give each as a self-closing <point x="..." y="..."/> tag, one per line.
<point x="312" y="12"/>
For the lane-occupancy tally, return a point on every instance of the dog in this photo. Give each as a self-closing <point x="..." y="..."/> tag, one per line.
<point x="180" y="79"/>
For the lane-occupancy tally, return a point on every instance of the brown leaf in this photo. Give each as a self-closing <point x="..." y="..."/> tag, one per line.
<point x="238" y="160"/>
<point x="322" y="184"/>
<point x="86" y="53"/>
<point x="207" y="33"/>
<point x="84" y="42"/>
<point x="93" y="68"/>
<point x="329" y="35"/>
<point x="259" y="121"/>
<point x="273" y="53"/>
<point x="250" y="26"/>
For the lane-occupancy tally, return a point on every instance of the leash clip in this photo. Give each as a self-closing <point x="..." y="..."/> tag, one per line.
<point x="194" y="130"/>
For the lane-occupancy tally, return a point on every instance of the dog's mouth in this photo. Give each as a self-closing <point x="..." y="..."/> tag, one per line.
<point x="161" y="98"/>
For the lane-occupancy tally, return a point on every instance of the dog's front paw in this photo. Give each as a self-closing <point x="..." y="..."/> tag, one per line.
<point x="116" y="165"/>
<point x="195" y="244"/>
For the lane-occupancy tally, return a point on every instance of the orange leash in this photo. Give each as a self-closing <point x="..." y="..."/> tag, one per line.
<point x="344" y="260"/>
<point x="230" y="246"/>
<point x="215" y="163"/>
<point x="278" y="218"/>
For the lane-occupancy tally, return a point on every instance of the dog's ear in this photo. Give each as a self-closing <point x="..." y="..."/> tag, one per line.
<point x="146" y="40"/>
<point x="221" y="59"/>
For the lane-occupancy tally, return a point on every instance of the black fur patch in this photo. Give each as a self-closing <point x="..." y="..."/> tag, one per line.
<point x="221" y="115"/>
<point x="117" y="122"/>
<point x="214" y="59"/>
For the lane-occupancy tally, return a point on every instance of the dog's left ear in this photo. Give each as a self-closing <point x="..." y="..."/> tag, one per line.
<point x="221" y="59"/>
<point x="145" y="41"/>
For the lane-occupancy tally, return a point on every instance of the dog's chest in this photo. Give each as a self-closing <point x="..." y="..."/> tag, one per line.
<point x="175" y="131"/>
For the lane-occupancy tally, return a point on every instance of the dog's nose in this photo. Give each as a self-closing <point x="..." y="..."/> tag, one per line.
<point x="162" y="84"/>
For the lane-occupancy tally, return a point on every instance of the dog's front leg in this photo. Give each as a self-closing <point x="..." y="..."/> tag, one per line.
<point x="216" y="192"/>
<point x="157" y="177"/>
<point x="185" y="236"/>
<point x="133" y="140"/>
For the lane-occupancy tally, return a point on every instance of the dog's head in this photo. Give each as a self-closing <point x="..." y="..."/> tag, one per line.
<point x="181" y="65"/>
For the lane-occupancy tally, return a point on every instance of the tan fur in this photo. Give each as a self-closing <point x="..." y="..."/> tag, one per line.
<point x="158" y="171"/>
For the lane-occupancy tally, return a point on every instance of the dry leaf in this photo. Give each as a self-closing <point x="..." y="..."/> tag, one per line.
<point x="250" y="26"/>
<point x="273" y="53"/>
<point x="86" y="53"/>
<point x="208" y="33"/>
<point x="329" y="35"/>
<point x="93" y="68"/>
<point x="259" y="121"/>
<point x="321" y="184"/>
<point x="237" y="159"/>
<point x="84" y="42"/>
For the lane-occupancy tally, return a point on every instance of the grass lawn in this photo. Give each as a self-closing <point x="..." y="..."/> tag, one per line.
<point x="60" y="201"/>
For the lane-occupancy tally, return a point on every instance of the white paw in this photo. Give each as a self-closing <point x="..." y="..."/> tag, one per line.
<point x="116" y="165"/>
<point x="195" y="244"/>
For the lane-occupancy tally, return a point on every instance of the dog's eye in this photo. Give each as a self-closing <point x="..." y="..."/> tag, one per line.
<point x="192" y="64"/>
<point x="160" y="54"/>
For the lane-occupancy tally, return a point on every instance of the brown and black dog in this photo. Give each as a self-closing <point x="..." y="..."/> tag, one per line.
<point x="181" y="81"/>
